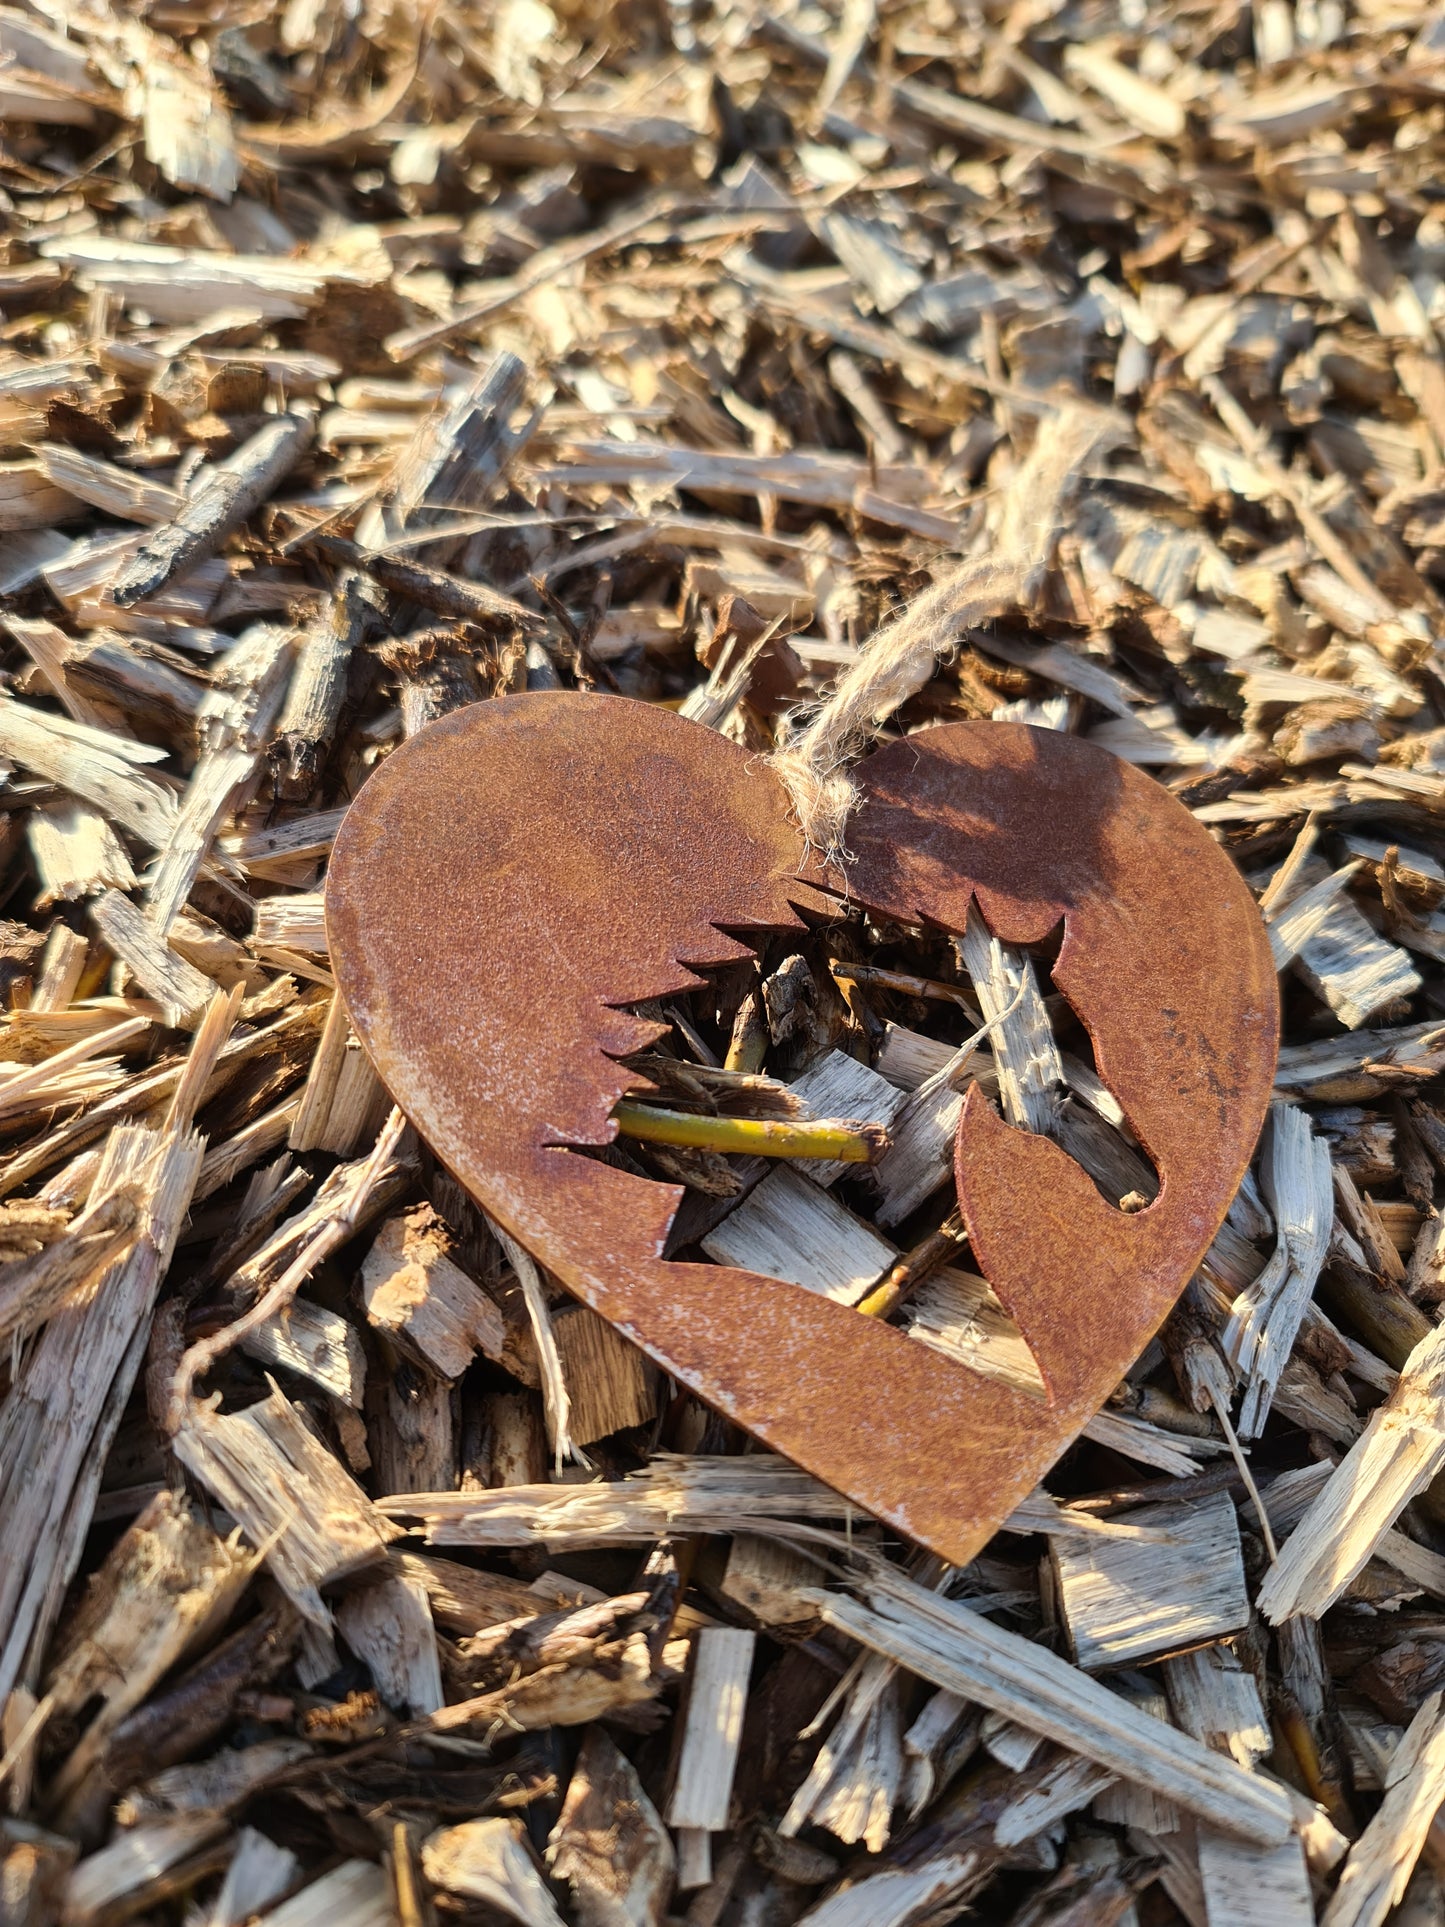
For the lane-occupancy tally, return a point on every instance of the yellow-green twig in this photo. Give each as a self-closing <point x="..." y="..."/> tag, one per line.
<point x="828" y="1138"/>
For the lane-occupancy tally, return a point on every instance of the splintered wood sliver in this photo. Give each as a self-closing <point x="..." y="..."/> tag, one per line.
<point x="514" y="876"/>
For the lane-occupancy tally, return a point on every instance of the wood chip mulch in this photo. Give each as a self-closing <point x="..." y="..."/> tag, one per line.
<point x="360" y="362"/>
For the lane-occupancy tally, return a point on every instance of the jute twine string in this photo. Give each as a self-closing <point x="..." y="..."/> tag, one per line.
<point x="820" y="747"/>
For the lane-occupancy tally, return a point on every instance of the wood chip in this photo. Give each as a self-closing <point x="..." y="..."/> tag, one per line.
<point x="1180" y="1582"/>
<point x="423" y="1301"/>
<point x="712" y="1729"/>
<point x="289" y="1495"/>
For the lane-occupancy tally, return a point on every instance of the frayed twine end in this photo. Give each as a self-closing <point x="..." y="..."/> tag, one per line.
<point x="822" y="803"/>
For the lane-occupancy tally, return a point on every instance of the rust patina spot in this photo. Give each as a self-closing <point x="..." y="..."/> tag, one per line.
<point x="517" y="874"/>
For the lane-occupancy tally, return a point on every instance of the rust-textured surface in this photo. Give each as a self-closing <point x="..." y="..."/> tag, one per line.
<point x="516" y="872"/>
<point x="1167" y="964"/>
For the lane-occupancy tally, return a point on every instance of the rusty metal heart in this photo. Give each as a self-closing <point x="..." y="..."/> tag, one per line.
<point x="516" y="875"/>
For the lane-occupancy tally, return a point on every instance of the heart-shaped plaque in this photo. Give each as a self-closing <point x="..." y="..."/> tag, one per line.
<point x="516" y="875"/>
